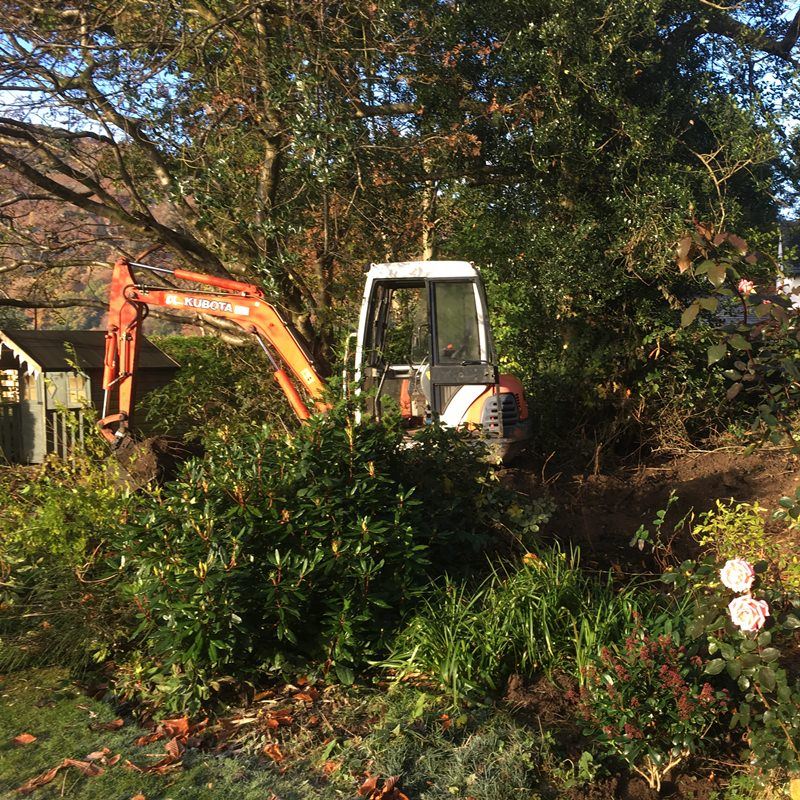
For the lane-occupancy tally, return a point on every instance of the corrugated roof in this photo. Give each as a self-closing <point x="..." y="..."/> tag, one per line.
<point x="54" y="351"/>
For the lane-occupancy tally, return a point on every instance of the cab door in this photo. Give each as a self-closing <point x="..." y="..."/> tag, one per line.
<point x="397" y="348"/>
<point x="462" y="351"/>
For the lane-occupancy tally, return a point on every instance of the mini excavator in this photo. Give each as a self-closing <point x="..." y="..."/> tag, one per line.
<point x="423" y="345"/>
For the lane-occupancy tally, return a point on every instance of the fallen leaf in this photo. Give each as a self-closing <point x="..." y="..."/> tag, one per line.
<point x="23" y="739"/>
<point x="274" y="752"/>
<point x="114" y="725"/>
<point x="242" y="721"/>
<point x="369" y="786"/>
<point x="174" y="748"/>
<point x="113" y="760"/>
<point x="98" y="754"/>
<point x="389" y="791"/>
<point x="329" y="767"/>
<point x="40" y="780"/>
<point x="280" y="716"/>
<point x="166" y="764"/>
<point x="87" y="768"/>
<point x="176" y="727"/>
<point x="138" y="797"/>
<point x="172" y="729"/>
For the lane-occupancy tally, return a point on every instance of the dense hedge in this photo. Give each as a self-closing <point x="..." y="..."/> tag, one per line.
<point x="305" y="548"/>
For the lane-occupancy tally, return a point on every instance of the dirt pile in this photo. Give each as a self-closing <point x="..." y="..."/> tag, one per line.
<point x="601" y="513"/>
<point x="156" y="459"/>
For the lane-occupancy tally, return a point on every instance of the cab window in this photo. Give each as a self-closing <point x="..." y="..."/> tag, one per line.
<point x="457" y="336"/>
<point x="406" y="332"/>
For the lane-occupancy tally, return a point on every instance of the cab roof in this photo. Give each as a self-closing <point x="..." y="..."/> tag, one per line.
<point x="424" y="270"/>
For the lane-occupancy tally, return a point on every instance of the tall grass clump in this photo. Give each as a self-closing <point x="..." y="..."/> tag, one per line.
<point x="546" y="615"/>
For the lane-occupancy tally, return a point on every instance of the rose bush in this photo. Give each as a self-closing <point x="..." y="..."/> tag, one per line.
<point x="751" y="642"/>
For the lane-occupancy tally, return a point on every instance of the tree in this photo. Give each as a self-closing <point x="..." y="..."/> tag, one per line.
<point x="289" y="143"/>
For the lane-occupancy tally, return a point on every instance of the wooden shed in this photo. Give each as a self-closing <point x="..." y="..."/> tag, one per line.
<point x="47" y="375"/>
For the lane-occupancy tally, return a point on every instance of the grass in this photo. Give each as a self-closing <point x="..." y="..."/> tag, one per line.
<point x="548" y="615"/>
<point x="483" y="754"/>
<point x="49" y="706"/>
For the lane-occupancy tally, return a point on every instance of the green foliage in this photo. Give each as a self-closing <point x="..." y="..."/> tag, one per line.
<point x="758" y="349"/>
<point x="546" y="614"/>
<point x="678" y="398"/>
<point x="308" y="548"/>
<point x="57" y="509"/>
<point x="53" y="522"/>
<point x="650" y="704"/>
<point x="738" y="530"/>
<point x="576" y="253"/>
<point x="659" y="536"/>
<point x="755" y="666"/>
<point x="217" y="385"/>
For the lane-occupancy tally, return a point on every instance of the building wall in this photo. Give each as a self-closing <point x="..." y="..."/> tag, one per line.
<point x="44" y="398"/>
<point x="147" y="380"/>
<point x="32" y="406"/>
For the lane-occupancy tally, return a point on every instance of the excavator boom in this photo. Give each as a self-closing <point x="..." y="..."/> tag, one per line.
<point x="241" y="303"/>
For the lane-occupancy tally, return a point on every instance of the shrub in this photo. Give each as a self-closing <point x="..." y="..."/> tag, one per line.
<point x="53" y="520"/>
<point x="546" y="614"/>
<point x="749" y="631"/>
<point x="272" y="550"/>
<point x="56" y="510"/>
<point x="218" y="385"/>
<point x="649" y="704"/>
<point x="734" y="530"/>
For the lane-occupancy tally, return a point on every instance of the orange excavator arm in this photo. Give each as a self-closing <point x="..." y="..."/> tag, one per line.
<point x="242" y="303"/>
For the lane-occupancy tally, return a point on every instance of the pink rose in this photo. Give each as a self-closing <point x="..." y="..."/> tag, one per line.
<point x="746" y="287"/>
<point x="737" y="575"/>
<point x="748" y="613"/>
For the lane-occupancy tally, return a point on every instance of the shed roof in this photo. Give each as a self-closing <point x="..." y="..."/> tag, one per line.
<point x="58" y="351"/>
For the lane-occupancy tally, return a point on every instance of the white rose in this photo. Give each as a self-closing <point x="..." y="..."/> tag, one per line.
<point x="748" y="613"/>
<point x="737" y="575"/>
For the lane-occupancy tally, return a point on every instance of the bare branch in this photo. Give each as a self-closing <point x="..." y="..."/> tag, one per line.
<point x="42" y="302"/>
<point x="725" y="25"/>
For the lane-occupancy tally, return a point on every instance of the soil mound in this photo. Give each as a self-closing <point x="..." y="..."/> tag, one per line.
<point x="601" y="513"/>
<point x="156" y="459"/>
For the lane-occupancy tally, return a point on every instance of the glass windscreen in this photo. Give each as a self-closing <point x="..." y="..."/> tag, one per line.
<point x="406" y="340"/>
<point x="457" y="334"/>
